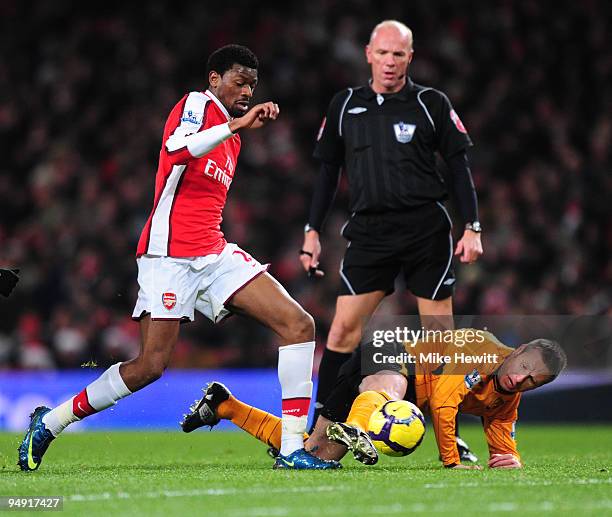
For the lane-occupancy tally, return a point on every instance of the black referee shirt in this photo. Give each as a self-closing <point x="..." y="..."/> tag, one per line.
<point x="387" y="143"/>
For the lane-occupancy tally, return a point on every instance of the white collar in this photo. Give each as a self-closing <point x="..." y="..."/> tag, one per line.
<point x="218" y="103"/>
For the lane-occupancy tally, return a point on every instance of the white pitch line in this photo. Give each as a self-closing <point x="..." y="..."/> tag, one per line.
<point x="401" y="508"/>
<point x="340" y="510"/>
<point x="197" y="492"/>
<point x="515" y="483"/>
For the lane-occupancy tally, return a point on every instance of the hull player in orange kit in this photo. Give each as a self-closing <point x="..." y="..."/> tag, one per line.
<point x="491" y="391"/>
<point x="185" y="264"/>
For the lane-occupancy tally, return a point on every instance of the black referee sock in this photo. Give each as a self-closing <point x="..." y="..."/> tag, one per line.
<point x="328" y="372"/>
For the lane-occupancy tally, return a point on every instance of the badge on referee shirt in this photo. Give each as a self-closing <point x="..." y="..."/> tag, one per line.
<point x="404" y="132"/>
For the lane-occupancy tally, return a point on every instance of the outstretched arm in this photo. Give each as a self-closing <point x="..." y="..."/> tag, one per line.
<point x="188" y="142"/>
<point x="256" y="117"/>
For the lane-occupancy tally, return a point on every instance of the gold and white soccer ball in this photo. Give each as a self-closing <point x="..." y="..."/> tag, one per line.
<point x="397" y="428"/>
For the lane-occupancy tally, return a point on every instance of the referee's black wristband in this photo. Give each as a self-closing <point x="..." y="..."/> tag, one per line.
<point x="450" y="465"/>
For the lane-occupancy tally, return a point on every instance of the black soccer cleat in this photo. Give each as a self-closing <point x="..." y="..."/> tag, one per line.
<point x="356" y="440"/>
<point x="204" y="411"/>
<point x="273" y="452"/>
<point x="464" y="451"/>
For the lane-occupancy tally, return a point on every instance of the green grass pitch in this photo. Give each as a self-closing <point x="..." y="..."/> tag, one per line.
<point x="568" y="469"/>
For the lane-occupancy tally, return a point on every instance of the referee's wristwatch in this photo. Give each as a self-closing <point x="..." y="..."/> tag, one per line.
<point x="474" y="226"/>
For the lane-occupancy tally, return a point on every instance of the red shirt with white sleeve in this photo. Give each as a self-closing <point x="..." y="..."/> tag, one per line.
<point x="191" y="187"/>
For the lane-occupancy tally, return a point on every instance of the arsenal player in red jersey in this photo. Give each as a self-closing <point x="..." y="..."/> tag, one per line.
<point x="185" y="264"/>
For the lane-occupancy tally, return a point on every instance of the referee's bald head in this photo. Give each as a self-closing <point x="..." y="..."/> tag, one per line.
<point x="403" y="30"/>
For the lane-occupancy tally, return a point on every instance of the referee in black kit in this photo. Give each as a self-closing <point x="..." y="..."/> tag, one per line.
<point x="385" y="135"/>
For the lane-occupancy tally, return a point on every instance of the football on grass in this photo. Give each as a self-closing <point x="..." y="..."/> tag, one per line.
<point x="397" y="428"/>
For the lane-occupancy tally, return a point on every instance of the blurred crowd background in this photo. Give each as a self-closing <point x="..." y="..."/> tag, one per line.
<point x="84" y="94"/>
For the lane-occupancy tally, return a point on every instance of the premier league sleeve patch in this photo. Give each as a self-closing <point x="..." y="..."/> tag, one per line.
<point x="192" y="118"/>
<point x="404" y="132"/>
<point x="471" y="379"/>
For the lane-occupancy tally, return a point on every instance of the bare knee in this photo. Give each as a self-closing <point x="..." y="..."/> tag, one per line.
<point x="300" y="327"/>
<point x="344" y="336"/>
<point x="143" y="370"/>
<point x="392" y="383"/>
<point x="154" y="369"/>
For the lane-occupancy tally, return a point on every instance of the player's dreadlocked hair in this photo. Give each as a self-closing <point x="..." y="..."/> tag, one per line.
<point x="552" y="354"/>
<point x="222" y="59"/>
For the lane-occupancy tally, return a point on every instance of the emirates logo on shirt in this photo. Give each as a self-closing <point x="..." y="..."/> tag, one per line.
<point x="220" y="174"/>
<point x="169" y="300"/>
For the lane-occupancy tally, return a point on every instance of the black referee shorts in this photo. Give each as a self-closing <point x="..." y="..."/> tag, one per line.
<point x="416" y="242"/>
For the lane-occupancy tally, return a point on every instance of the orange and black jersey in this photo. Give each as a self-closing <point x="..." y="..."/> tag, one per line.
<point x="466" y="388"/>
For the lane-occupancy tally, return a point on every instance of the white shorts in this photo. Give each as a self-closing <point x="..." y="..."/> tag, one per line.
<point x="173" y="288"/>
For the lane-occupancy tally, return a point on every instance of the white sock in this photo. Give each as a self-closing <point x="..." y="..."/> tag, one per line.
<point x="295" y="376"/>
<point x="102" y="393"/>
